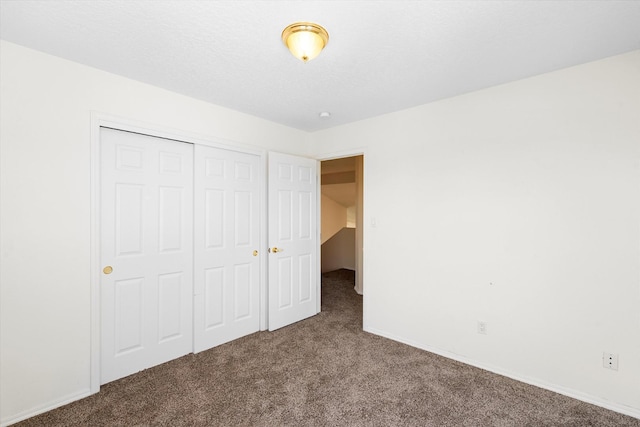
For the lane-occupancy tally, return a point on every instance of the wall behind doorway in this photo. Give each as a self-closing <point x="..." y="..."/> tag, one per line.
<point x="339" y="252"/>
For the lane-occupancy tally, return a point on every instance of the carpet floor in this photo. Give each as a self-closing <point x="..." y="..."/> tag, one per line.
<point x="324" y="371"/>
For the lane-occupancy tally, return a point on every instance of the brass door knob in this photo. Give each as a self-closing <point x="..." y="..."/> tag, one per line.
<point x="107" y="270"/>
<point x="255" y="253"/>
<point x="276" y="250"/>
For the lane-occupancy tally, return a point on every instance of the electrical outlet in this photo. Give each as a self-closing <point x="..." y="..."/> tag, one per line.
<point x="610" y="361"/>
<point x="482" y="327"/>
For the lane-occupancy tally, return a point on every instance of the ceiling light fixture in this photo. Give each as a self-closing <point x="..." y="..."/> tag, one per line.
<point x="305" y="40"/>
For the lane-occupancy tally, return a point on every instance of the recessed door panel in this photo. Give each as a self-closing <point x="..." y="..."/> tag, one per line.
<point x="242" y="291"/>
<point x="305" y="204"/>
<point x="170" y="306"/>
<point x="284" y="211"/>
<point x="285" y="172"/>
<point x="304" y="174"/>
<point x="170" y="219"/>
<point x="214" y="297"/>
<point x="170" y="163"/>
<point x="285" y="287"/>
<point x="214" y="218"/>
<point x="128" y="314"/>
<point x="214" y="167"/>
<point x="305" y="280"/>
<point x="243" y="213"/>
<point x="243" y="171"/>
<point x="128" y="158"/>
<point x="128" y="221"/>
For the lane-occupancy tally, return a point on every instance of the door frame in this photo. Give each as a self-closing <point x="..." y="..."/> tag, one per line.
<point x="341" y="155"/>
<point x="100" y="120"/>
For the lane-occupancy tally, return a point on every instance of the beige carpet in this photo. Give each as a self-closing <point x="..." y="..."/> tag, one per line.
<point x="324" y="371"/>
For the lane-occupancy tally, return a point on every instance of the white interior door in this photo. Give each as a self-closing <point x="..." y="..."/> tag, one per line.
<point x="146" y="237"/>
<point x="293" y="239"/>
<point x="226" y="264"/>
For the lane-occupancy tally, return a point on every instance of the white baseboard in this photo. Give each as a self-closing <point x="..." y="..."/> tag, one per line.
<point x="575" y="394"/>
<point x="44" y="408"/>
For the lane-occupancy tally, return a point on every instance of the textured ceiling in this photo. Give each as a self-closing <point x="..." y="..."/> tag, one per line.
<point x="382" y="56"/>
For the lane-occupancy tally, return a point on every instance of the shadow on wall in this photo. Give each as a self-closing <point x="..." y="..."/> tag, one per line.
<point x="339" y="251"/>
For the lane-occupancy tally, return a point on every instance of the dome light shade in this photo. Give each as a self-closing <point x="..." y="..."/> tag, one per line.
<point x="305" y="40"/>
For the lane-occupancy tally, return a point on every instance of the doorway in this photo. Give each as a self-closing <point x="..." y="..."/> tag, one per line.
<point x="342" y="186"/>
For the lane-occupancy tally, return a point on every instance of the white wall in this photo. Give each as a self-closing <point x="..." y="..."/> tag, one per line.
<point x="518" y="205"/>
<point x="45" y="113"/>
<point x="339" y="251"/>
<point x="334" y="217"/>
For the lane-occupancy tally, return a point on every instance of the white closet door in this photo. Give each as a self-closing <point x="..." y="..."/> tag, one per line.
<point x="293" y="239"/>
<point x="146" y="251"/>
<point x="227" y="265"/>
